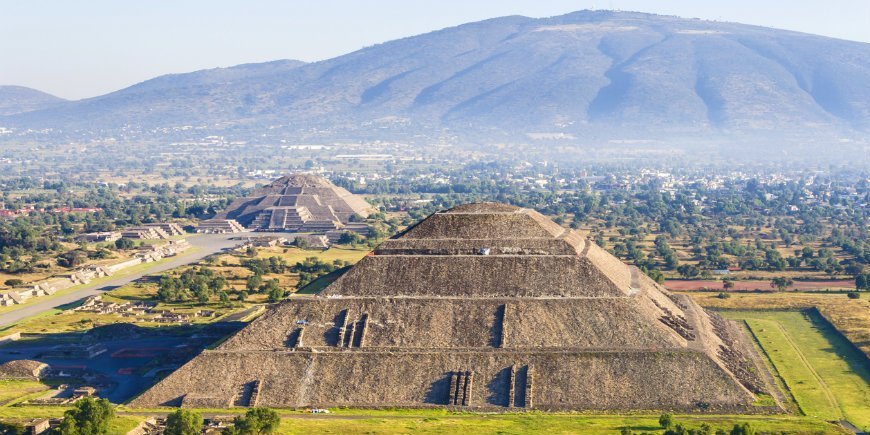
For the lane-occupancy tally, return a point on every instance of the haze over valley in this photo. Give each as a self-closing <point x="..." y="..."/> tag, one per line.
<point x="583" y="78"/>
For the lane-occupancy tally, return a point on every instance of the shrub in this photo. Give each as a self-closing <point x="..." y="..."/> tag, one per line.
<point x="853" y="295"/>
<point x="124" y="243"/>
<point x="255" y="421"/>
<point x="666" y="421"/>
<point x="14" y="282"/>
<point x="723" y="295"/>
<point x="183" y="422"/>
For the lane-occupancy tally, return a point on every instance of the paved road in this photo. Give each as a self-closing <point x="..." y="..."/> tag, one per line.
<point x="207" y="244"/>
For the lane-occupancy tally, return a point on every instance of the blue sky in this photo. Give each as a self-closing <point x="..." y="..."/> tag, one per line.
<point x="77" y="49"/>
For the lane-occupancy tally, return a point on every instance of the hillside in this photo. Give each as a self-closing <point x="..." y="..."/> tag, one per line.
<point x="19" y="99"/>
<point x="581" y="73"/>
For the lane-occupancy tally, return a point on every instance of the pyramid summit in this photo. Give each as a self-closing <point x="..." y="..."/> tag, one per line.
<point x="297" y="202"/>
<point x="484" y="306"/>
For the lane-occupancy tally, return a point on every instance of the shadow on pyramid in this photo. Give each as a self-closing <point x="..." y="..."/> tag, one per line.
<point x="484" y="306"/>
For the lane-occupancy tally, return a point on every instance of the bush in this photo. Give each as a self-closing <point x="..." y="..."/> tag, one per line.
<point x="14" y="282"/>
<point x="853" y="295"/>
<point x="723" y="295"/>
<point x="124" y="243"/>
<point x="183" y="422"/>
<point x="255" y="421"/>
<point x="666" y="421"/>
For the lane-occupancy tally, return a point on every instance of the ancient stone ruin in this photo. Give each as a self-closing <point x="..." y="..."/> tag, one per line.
<point x="484" y="306"/>
<point x="299" y="202"/>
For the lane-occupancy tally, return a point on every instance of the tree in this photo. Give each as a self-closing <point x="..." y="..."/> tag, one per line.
<point x="256" y="421"/>
<point x="688" y="270"/>
<point x="666" y="421"/>
<point x="728" y="284"/>
<point x="276" y="294"/>
<point x="183" y="422"/>
<point x="89" y="417"/>
<point x="349" y="238"/>
<point x="124" y="243"/>
<point x="254" y="283"/>
<point x="743" y="429"/>
<point x="781" y="283"/>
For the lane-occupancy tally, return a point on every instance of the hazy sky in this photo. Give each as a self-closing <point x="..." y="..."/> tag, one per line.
<point x="77" y="49"/>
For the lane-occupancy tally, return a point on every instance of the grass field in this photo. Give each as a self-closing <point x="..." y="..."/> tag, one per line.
<point x="849" y="316"/>
<point x="14" y="389"/>
<point x="296" y="255"/>
<point x="828" y="378"/>
<point x="755" y="284"/>
<point x="440" y="421"/>
<point x="535" y="423"/>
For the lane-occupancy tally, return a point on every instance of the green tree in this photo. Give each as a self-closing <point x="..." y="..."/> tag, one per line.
<point x="276" y="294"/>
<point x="781" y="283"/>
<point x="688" y="270"/>
<point x="743" y="429"/>
<point x="666" y="421"/>
<point x="124" y="243"/>
<point x="255" y="422"/>
<point x="89" y="417"/>
<point x="254" y="283"/>
<point x="183" y="422"/>
<point x="350" y="238"/>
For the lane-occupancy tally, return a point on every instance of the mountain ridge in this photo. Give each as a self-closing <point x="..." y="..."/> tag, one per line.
<point x="20" y="99"/>
<point x="581" y="73"/>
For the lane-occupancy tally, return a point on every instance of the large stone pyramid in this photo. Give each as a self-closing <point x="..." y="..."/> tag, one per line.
<point x="484" y="306"/>
<point x="297" y="202"/>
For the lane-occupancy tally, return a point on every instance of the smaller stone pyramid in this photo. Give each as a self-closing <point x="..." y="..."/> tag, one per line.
<point x="298" y="202"/>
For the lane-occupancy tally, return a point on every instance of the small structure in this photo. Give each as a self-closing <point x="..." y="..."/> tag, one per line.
<point x="144" y="233"/>
<point x="219" y="226"/>
<point x="85" y="391"/>
<point x="23" y="369"/>
<point x="170" y="228"/>
<point x="75" y="351"/>
<point x="311" y="241"/>
<point x="105" y="236"/>
<point x="38" y="426"/>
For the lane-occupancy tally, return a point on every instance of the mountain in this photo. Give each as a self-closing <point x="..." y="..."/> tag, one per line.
<point x="584" y="73"/>
<point x="18" y="99"/>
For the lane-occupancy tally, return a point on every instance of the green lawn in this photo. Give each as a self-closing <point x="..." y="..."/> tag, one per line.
<point x="825" y="374"/>
<point x="537" y="423"/>
<point x="442" y="421"/>
<point x="13" y="389"/>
